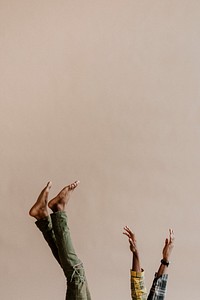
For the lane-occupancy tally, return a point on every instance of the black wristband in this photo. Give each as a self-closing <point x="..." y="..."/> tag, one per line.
<point x="164" y="262"/>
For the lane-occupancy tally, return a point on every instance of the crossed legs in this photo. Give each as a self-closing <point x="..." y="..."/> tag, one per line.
<point x="56" y="232"/>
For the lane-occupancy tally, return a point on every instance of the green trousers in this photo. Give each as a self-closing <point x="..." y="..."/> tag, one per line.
<point x="56" y="232"/>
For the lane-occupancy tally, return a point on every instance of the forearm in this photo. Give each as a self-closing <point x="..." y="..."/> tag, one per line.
<point x="162" y="269"/>
<point x="159" y="285"/>
<point x="136" y="263"/>
<point x="158" y="288"/>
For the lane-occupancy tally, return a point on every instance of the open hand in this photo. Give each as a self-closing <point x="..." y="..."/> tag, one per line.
<point x="169" y="244"/>
<point x="132" y="240"/>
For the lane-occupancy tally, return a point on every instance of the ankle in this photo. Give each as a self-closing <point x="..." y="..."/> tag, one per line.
<point x="57" y="207"/>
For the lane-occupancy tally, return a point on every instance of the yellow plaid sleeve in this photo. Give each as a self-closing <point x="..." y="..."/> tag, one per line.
<point x="138" y="289"/>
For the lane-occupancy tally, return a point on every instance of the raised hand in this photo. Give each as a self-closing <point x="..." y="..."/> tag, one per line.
<point x="169" y="244"/>
<point x="132" y="241"/>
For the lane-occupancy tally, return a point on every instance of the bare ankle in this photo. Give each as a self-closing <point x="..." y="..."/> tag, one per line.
<point x="57" y="207"/>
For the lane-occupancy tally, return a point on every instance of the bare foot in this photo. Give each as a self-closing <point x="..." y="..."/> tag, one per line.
<point x="39" y="209"/>
<point x="58" y="203"/>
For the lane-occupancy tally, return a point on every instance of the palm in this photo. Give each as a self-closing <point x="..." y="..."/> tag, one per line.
<point x="169" y="244"/>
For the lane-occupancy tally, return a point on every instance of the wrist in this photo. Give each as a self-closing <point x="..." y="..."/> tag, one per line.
<point x="136" y="255"/>
<point x="165" y="262"/>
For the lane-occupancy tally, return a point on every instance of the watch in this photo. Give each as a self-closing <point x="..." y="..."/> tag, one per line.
<point x="164" y="262"/>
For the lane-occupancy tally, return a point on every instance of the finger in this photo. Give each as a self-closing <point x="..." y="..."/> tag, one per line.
<point x="128" y="235"/>
<point x="49" y="184"/>
<point x="171" y="235"/>
<point x="129" y="231"/>
<point x="127" y="228"/>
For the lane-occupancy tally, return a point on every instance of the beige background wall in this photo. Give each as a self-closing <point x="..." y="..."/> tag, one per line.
<point x="106" y="92"/>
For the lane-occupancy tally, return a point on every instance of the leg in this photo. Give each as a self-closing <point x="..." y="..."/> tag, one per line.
<point x="77" y="288"/>
<point x="40" y="212"/>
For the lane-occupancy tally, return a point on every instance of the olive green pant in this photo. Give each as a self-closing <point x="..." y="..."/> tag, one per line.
<point x="56" y="232"/>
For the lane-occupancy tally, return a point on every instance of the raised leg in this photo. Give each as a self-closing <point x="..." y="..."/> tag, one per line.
<point x="39" y="211"/>
<point x="77" y="287"/>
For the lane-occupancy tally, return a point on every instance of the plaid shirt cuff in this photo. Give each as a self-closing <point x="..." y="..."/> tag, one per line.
<point x="158" y="289"/>
<point x="137" y="274"/>
<point x="138" y="290"/>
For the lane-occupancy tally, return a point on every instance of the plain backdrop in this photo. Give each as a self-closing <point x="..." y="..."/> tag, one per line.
<point x="107" y="92"/>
